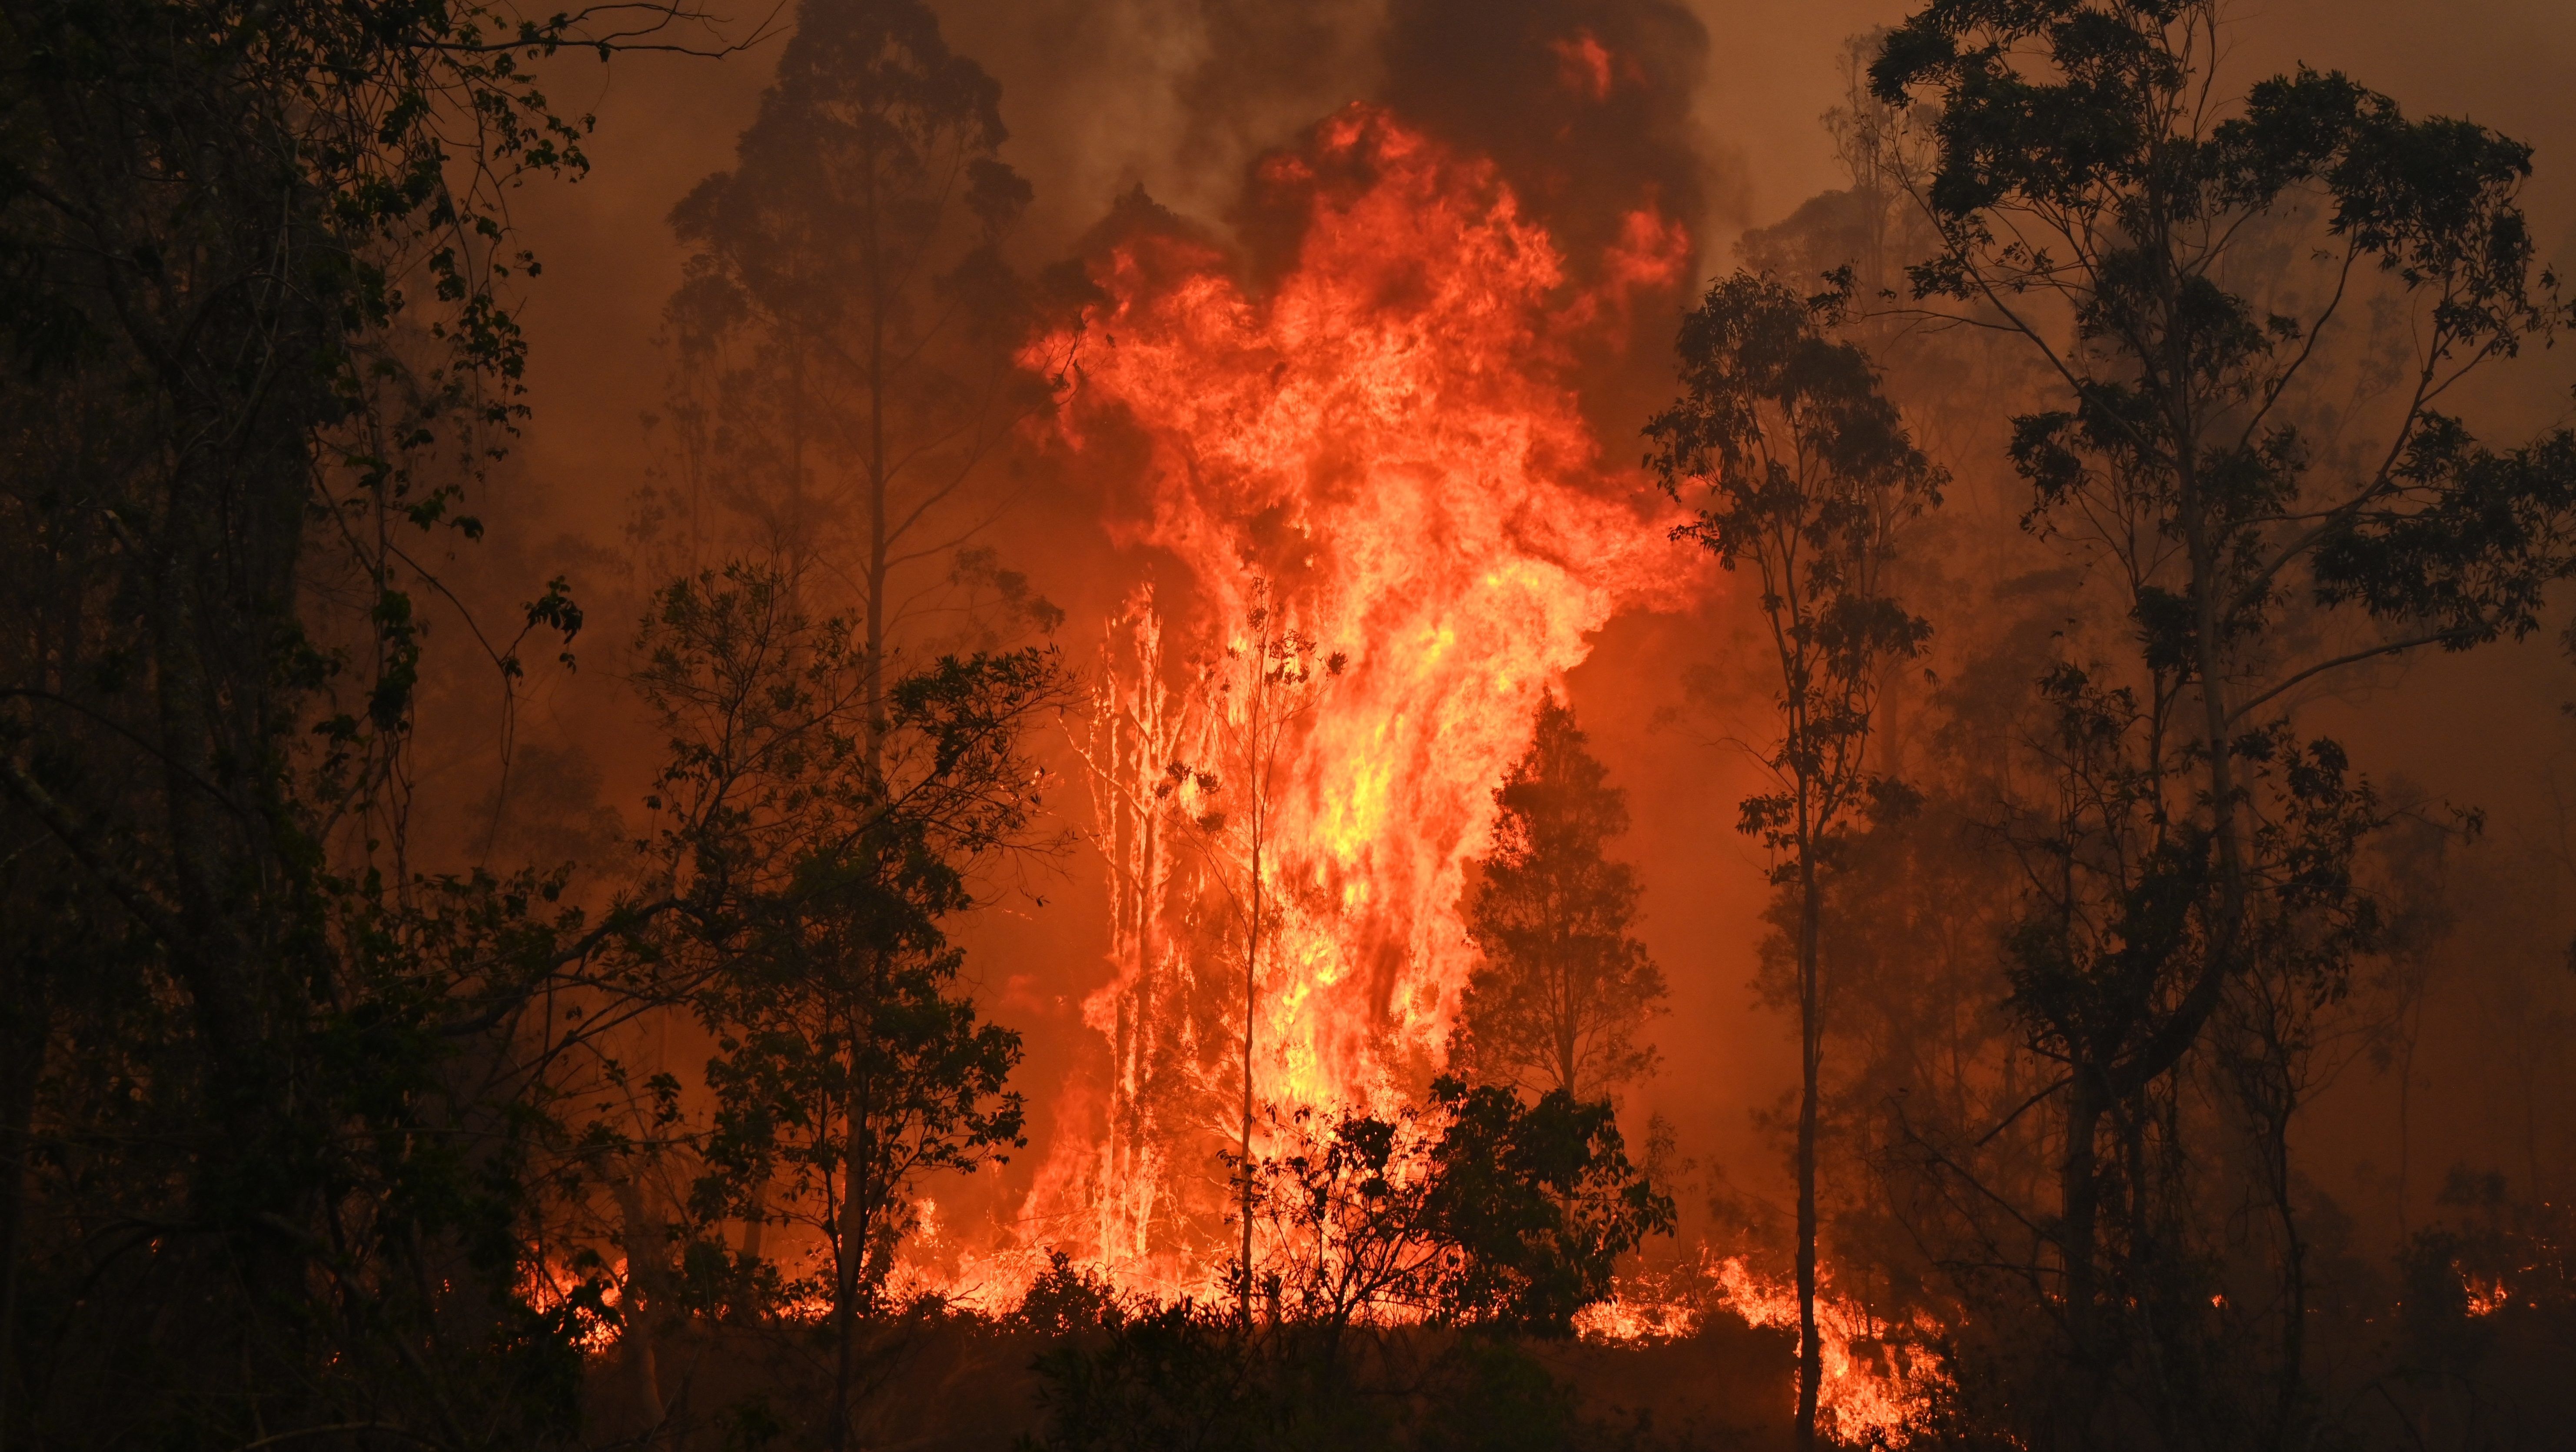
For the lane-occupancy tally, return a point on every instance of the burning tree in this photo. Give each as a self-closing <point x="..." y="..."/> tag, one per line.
<point x="1267" y="683"/>
<point x="1809" y="477"/>
<point x="1136" y="728"/>
<point x="1564" y="987"/>
<point x="1378" y="433"/>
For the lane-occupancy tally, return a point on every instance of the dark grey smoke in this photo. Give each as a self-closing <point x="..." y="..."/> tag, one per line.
<point x="1584" y="103"/>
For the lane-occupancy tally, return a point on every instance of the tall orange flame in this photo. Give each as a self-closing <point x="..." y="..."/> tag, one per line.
<point x="1385" y="440"/>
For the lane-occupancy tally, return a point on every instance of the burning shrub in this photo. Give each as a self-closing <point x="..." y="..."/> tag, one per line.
<point x="2466" y="1281"/>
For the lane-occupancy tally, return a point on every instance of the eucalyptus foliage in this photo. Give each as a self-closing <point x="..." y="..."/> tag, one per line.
<point x="2277" y="490"/>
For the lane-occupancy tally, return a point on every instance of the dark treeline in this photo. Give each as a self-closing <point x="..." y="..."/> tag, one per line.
<point x="323" y="1128"/>
<point x="2077" y="462"/>
<point x="2083" y="916"/>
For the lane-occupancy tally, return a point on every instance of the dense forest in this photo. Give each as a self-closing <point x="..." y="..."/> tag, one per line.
<point x="1257" y="727"/>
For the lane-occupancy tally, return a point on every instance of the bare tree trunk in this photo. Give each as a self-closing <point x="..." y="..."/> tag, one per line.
<point x="643" y="1237"/>
<point x="851" y="1251"/>
<point x="2294" y="1315"/>
<point x="852" y="1248"/>
<point x="1811" y="1360"/>
<point x="755" y="1227"/>
<point x="1565" y="1045"/>
<point x="2267" y="1071"/>
<point x="25" y="1065"/>
<point x="2078" y="1227"/>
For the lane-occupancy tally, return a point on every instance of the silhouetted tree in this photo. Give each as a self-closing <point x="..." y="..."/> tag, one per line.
<point x="2184" y="262"/>
<point x="818" y="849"/>
<point x="1479" y="1209"/>
<point x="1564" y="988"/>
<point x="845" y="340"/>
<point x="256" y="334"/>
<point x="1808" y="476"/>
<point x="845" y="346"/>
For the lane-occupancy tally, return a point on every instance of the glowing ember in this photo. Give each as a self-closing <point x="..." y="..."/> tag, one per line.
<point x="2486" y="1295"/>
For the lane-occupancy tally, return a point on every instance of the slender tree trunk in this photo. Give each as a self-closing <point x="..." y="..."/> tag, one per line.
<point x="872" y="259"/>
<point x="2294" y="1314"/>
<point x="2078" y="1227"/>
<point x="643" y="1237"/>
<point x="31" y="1035"/>
<point x="2269" y="1081"/>
<point x="1566" y="1024"/>
<point x="2535" y="1190"/>
<point x="755" y="1227"/>
<point x="1811" y="1361"/>
<point x="856" y="1188"/>
<point x="2079" y="1197"/>
<point x="852" y="1250"/>
<point x="225" y="883"/>
<point x="1148" y="859"/>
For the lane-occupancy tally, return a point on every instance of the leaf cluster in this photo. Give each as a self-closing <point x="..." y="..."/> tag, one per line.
<point x="1798" y="465"/>
<point x="823" y="825"/>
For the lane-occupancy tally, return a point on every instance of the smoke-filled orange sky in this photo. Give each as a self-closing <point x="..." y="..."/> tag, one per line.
<point x="1178" y="96"/>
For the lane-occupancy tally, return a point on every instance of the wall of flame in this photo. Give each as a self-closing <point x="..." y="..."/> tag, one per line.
<point x="1386" y="433"/>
